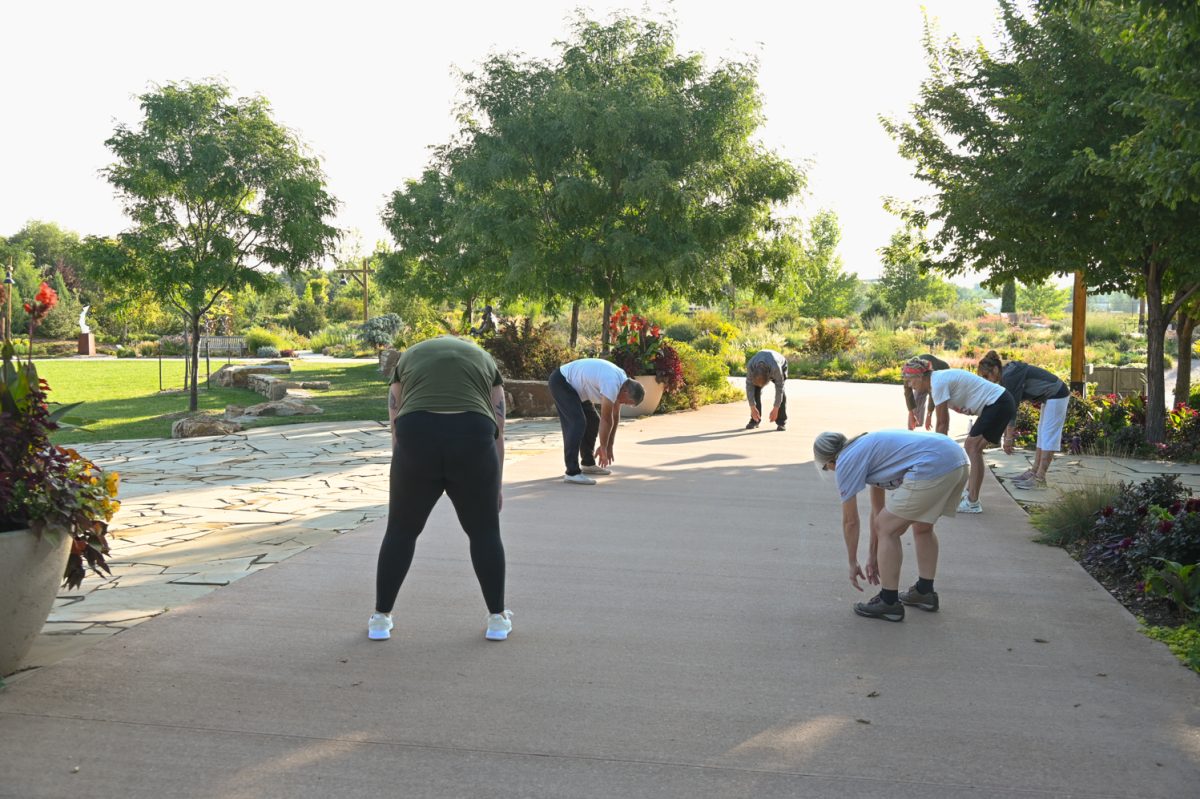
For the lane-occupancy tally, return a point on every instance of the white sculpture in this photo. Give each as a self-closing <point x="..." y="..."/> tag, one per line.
<point x="83" y="325"/>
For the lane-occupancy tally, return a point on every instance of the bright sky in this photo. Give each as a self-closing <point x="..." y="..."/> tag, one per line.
<point x="370" y="86"/>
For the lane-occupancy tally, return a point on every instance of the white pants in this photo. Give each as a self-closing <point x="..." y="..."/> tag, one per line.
<point x="1054" y="414"/>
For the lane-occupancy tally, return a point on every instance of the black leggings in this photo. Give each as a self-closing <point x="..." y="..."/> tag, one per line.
<point x="435" y="453"/>
<point x="580" y="423"/>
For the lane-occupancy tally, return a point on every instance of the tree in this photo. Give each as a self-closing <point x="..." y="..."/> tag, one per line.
<point x="618" y="167"/>
<point x="1013" y="145"/>
<point x="827" y="291"/>
<point x="1008" y="297"/>
<point x="905" y="279"/>
<point x="218" y="193"/>
<point x="1042" y="299"/>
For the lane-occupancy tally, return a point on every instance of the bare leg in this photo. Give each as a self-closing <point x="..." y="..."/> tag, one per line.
<point x="926" y="543"/>
<point x="1041" y="463"/>
<point x="890" y="554"/>
<point x="974" y="447"/>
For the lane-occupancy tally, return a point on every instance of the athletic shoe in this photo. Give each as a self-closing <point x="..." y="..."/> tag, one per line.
<point x="1025" y="475"/>
<point x="780" y="428"/>
<point x="379" y="628"/>
<point x="1033" y="483"/>
<point x="499" y="625"/>
<point x="750" y="425"/>
<point x="596" y="470"/>
<point x="578" y="479"/>
<point x="876" y="608"/>
<point x="967" y="506"/>
<point x="914" y="598"/>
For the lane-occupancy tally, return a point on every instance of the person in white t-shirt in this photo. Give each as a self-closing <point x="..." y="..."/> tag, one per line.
<point x="577" y="387"/>
<point x="915" y="478"/>
<point x="970" y="394"/>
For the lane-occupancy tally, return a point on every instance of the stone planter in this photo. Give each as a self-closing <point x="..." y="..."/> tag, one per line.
<point x="31" y="569"/>
<point x="649" y="404"/>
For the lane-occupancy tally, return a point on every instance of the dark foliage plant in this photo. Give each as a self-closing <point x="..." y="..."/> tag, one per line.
<point x="524" y="351"/>
<point x="1153" y="520"/>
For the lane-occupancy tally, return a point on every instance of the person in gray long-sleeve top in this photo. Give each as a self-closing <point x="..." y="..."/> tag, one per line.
<point x="766" y="366"/>
<point x="1031" y="384"/>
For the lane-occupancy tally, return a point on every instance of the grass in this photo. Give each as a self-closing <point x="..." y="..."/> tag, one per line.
<point x="1070" y="517"/>
<point x="122" y="399"/>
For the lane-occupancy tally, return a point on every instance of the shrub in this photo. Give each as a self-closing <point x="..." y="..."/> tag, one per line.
<point x="682" y="331"/>
<point x="709" y="343"/>
<point x="258" y="337"/>
<point x="146" y="349"/>
<point x="525" y="352"/>
<point x="952" y="334"/>
<point x="307" y="317"/>
<point x="336" y="335"/>
<point x="379" y="331"/>
<point x="710" y="322"/>
<point x="705" y="380"/>
<point x="267" y="351"/>
<point x="1154" y="519"/>
<point x="127" y="352"/>
<point x="828" y="338"/>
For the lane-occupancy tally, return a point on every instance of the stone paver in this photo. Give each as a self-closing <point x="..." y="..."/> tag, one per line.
<point x="279" y="490"/>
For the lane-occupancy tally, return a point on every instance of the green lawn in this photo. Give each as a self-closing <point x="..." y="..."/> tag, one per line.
<point x="122" y="400"/>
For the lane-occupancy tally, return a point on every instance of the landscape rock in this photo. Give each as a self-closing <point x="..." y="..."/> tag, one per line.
<point x="529" y="398"/>
<point x="234" y="411"/>
<point x="238" y="376"/>
<point x="285" y="407"/>
<point x="195" y="426"/>
<point x="315" y="385"/>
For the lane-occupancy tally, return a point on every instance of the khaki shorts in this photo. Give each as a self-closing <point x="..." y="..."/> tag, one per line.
<point x="926" y="500"/>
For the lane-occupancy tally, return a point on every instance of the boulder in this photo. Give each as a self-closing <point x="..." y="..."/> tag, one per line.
<point x="234" y="411"/>
<point x="193" y="426"/>
<point x="315" y="385"/>
<point x="284" y="407"/>
<point x="529" y="398"/>
<point x="387" y="361"/>
<point x="238" y="376"/>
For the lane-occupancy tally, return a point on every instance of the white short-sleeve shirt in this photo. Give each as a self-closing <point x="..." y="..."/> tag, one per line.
<point x="967" y="392"/>
<point x="594" y="379"/>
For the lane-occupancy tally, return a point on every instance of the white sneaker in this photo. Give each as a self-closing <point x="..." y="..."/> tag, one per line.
<point x="578" y="479"/>
<point x="596" y="470"/>
<point x="379" y="628"/>
<point x="499" y="625"/>
<point x="967" y="506"/>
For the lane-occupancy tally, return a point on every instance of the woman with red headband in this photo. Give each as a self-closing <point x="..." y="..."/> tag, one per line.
<point x="967" y="393"/>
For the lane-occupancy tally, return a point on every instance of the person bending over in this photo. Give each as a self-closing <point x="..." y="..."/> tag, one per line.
<point x="970" y="394"/>
<point x="1031" y="384"/>
<point x="914" y="478"/>
<point x="766" y="366"/>
<point x="575" y="386"/>
<point x="446" y="404"/>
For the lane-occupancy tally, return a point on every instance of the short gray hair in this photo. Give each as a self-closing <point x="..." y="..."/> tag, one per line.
<point x="634" y="390"/>
<point x="759" y="371"/>
<point x="829" y="445"/>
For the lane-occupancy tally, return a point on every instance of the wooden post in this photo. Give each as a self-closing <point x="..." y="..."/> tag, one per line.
<point x="1078" y="334"/>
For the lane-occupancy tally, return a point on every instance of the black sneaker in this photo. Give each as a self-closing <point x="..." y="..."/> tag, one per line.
<point x="750" y="425"/>
<point x="780" y="428"/>
<point x="914" y="598"/>
<point x="876" y="608"/>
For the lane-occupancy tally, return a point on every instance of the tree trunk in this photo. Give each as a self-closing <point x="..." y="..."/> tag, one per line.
<point x="574" y="323"/>
<point x="194" y="363"/>
<point x="1141" y="314"/>
<point x="1156" y="332"/>
<point x="1183" y="377"/>
<point x="604" y="340"/>
<point x="468" y="315"/>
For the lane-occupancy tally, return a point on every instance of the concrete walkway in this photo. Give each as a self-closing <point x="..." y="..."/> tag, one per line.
<point x="682" y="629"/>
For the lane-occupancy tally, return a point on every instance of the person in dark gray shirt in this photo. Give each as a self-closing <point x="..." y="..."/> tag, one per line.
<point x="1031" y="384"/>
<point x="767" y="366"/>
<point x="920" y="406"/>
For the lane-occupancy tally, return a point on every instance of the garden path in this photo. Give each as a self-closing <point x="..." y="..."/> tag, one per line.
<point x="683" y="629"/>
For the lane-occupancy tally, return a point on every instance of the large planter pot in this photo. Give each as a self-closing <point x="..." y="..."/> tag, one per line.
<point x="649" y="403"/>
<point x="31" y="569"/>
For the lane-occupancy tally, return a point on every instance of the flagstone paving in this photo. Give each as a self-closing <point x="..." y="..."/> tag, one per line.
<point x="200" y="513"/>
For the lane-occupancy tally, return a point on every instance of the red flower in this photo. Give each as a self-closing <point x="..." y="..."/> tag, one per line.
<point x="47" y="296"/>
<point x="656" y="331"/>
<point x="1165" y="526"/>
